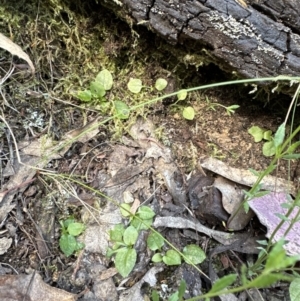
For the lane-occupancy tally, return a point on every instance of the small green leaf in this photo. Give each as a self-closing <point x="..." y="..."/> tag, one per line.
<point x="282" y="217"/>
<point x="172" y="258"/>
<point x="223" y="283"/>
<point x="294" y="290"/>
<point x="269" y="149"/>
<point x="145" y="212"/>
<point x="125" y="261"/>
<point x="194" y="254"/>
<point x="174" y="297"/>
<point x="160" y="84"/>
<point x="262" y="242"/>
<point x="257" y="133"/>
<point x="268" y="135"/>
<point x="154" y="295"/>
<point x="291" y="156"/>
<point x="157" y="258"/>
<point x="182" y="94"/>
<point x="104" y="78"/>
<point x="110" y="252"/>
<point x="130" y="236"/>
<point x="260" y="194"/>
<point x="134" y="85"/>
<point x="116" y="234"/>
<point x="85" y="95"/>
<point x="117" y="245"/>
<point x="67" y="244"/>
<point x="233" y="108"/>
<point x="279" y="135"/>
<point x="254" y="172"/>
<point x="68" y="221"/>
<point x="265" y="280"/>
<point x="181" y="289"/>
<point x="76" y="228"/>
<point x="155" y="241"/>
<point x="125" y="209"/>
<point x="97" y="89"/>
<point x="277" y="258"/>
<point x="141" y="225"/>
<point x="122" y="110"/>
<point x="188" y="113"/>
<point x="293" y="147"/>
<point x="246" y="207"/>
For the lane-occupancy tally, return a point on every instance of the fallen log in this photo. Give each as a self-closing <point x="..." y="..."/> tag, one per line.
<point x="249" y="38"/>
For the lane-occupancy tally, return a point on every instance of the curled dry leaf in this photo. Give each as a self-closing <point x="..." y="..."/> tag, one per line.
<point x="232" y="197"/>
<point x="14" y="49"/>
<point x="245" y="177"/>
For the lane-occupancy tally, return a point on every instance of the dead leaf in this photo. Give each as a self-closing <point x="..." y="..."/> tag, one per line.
<point x="267" y="209"/>
<point x="30" y="287"/>
<point x="232" y="198"/>
<point x="222" y="237"/>
<point x="5" y="244"/>
<point x="14" y="49"/>
<point x="245" y="177"/>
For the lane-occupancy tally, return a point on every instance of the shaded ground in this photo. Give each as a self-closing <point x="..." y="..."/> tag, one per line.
<point x="69" y="45"/>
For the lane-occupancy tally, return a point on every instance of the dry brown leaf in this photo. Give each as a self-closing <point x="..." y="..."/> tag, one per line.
<point x="232" y="198"/>
<point x="30" y="287"/>
<point x="245" y="177"/>
<point x="14" y="49"/>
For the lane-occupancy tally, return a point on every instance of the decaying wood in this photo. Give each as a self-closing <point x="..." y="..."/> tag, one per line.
<point x="252" y="38"/>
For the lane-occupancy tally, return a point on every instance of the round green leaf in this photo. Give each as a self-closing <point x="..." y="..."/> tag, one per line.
<point x="194" y="254"/>
<point x="97" y="89"/>
<point x="172" y="258"/>
<point x="67" y="244"/>
<point x="257" y="133"/>
<point x="76" y="228"/>
<point x="188" y="113"/>
<point x="85" y="95"/>
<point x="268" y="135"/>
<point x="134" y="85"/>
<point x="130" y="236"/>
<point x="122" y="110"/>
<point x="269" y="149"/>
<point x="145" y="212"/>
<point x="160" y="84"/>
<point x="125" y="261"/>
<point x="125" y="209"/>
<point x="116" y="234"/>
<point x="182" y="94"/>
<point x="141" y="225"/>
<point x="155" y="241"/>
<point x="157" y="257"/>
<point x="104" y="78"/>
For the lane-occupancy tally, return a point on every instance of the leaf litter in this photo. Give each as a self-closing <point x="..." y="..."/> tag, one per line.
<point x="127" y="174"/>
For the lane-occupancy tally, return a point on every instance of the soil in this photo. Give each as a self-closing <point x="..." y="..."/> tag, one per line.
<point x="69" y="45"/>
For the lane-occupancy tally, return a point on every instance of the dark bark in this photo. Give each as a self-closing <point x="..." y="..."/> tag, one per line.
<point x="259" y="39"/>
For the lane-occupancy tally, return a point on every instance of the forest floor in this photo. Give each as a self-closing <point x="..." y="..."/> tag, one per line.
<point x="89" y="145"/>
